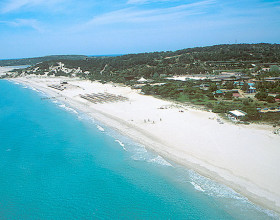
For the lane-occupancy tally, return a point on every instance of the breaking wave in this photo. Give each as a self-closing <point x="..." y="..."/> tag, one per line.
<point x="100" y="128"/>
<point x="220" y="191"/>
<point x="68" y="108"/>
<point x="159" y="160"/>
<point x="122" y="144"/>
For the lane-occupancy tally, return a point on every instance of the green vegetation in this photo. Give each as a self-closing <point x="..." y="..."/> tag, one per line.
<point x="272" y="87"/>
<point x="200" y="60"/>
<point x="189" y="92"/>
<point x="35" y="60"/>
<point x="248" y="62"/>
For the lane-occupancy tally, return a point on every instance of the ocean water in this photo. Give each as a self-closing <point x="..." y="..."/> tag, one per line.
<point x="56" y="163"/>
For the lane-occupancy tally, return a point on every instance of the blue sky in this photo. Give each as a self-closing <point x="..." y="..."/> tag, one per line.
<point x="30" y="28"/>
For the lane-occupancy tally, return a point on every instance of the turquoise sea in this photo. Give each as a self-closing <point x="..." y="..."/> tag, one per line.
<point x="56" y="163"/>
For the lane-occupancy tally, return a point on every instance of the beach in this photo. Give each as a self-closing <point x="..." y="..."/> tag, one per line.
<point x="4" y="69"/>
<point x="242" y="157"/>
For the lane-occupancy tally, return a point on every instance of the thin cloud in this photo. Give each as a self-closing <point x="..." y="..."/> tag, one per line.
<point x="32" y="23"/>
<point x="134" y="15"/>
<point x="14" y="5"/>
<point x="147" y="1"/>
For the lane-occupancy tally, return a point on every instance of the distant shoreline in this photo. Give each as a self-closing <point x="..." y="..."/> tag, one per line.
<point x="245" y="159"/>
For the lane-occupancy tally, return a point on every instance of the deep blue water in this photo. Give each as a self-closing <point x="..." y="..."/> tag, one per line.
<point x="56" y="163"/>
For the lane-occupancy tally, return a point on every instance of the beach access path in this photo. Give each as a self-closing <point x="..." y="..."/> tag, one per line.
<point x="245" y="158"/>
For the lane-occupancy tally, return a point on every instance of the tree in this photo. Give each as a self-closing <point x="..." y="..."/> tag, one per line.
<point x="147" y="89"/>
<point x="261" y="96"/>
<point x="229" y="85"/>
<point x="245" y="87"/>
<point x="245" y="102"/>
<point x="228" y="95"/>
<point x="257" y="68"/>
<point x="156" y="75"/>
<point x="211" y="96"/>
<point x="274" y="69"/>
<point x="252" y="114"/>
<point x="213" y="87"/>
<point x="270" y="99"/>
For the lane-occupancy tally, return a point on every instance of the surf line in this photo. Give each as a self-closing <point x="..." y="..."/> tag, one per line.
<point x="120" y="143"/>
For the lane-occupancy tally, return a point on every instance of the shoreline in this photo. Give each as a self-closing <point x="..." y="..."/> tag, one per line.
<point x="174" y="140"/>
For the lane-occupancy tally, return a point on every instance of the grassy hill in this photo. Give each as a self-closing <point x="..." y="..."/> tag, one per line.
<point x="200" y="60"/>
<point x="35" y="60"/>
<point x="247" y="62"/>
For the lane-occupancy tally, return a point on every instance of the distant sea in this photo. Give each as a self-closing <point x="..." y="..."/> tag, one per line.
<point x="56" y="163"/>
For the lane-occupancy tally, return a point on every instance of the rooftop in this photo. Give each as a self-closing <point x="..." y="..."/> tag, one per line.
<point x="238" y="113"/>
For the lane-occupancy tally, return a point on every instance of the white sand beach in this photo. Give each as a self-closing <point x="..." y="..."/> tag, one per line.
<point x="245" y="158"/>
<point x="4" y="69"/>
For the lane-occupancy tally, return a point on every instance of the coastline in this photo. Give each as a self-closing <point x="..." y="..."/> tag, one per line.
<point x="184" y="135"/>
<point x="4" y="69"/>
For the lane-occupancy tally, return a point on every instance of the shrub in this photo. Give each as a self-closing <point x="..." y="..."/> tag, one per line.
<point x="270" y="99"/>
<point x="261" y="96"/>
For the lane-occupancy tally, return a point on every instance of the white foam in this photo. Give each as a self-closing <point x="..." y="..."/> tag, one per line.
<point x="197" y="187"/>
<point x="34" y="89"/>
<point x="118" y="141"/>
<point x="138" y="157"/>
<point x="100" y="128"/>
<point x="159" y="160"/>
<point x="68" y="108"/>
<point x="84" y="117"/>
<point x="213" y="188"/>
<point x="140" y="153"/>
<point x="121" y="143"/>
<point x="270" y="213"/>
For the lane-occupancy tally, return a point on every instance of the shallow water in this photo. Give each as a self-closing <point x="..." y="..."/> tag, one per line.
<point x="56" y="163"/>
